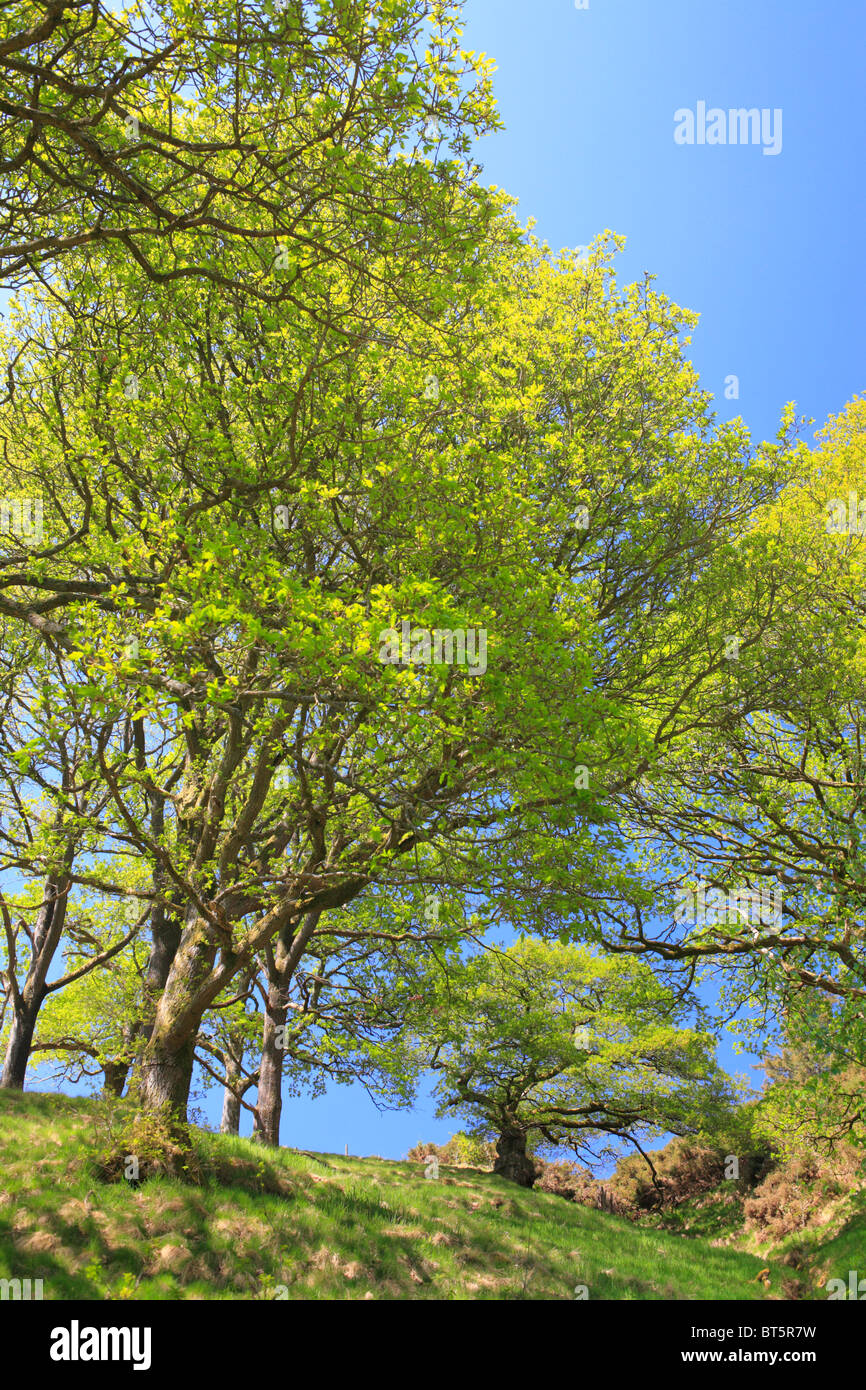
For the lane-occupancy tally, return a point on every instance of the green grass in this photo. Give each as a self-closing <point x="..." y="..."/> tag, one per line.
<point x="829" y="1248"/>
<point x="833" y="1259"/>
<point x="265" y="1224"/>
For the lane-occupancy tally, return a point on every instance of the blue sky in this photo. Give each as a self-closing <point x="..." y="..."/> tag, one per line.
<point x="766" y="247"/>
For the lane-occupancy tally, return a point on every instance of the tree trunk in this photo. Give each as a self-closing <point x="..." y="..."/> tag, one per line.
<point x="269" y="1101"/>
<point x="165" y="934"/>
<point x="191" y="987"/>
<point x="166" y="923"/>
<point x="165" y="939"/>
<point x="231" y="1116"/>
<point x="47" y="933"/>
<point x="291" y="944"/>
<point x="20" y="1045"/>
<point x="166" y="1078"/>
<point x="511" y="1160"/>
<point x="232" y="1058"/>
<point x="114" y="1076"/>
<point x="167" y="1062"/>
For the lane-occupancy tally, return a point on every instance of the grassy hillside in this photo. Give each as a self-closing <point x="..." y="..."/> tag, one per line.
<point x="266" y="1224"/>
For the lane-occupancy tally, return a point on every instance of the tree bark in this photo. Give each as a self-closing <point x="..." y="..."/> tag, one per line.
<point x="20" y="1044"/>
<point x="167" y="1062"/>
<point x="269" y="1101"/>
<point x="114" y="1076"/>
<point x="230" y="1122"/>
<point x="291" y="944"/>
<point x="165" y="939"/>
<point x="512" y="1161"/>
<point x="165" y="931"/>
<point x="166" y="920"/>
<point x="166" y="1079"/>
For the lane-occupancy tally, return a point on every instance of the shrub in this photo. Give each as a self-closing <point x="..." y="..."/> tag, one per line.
<point x="461" y="1151"/>
<point x="793" y="1197"/>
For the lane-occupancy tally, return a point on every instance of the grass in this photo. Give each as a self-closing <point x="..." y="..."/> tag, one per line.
<point x="267" y="1224"/>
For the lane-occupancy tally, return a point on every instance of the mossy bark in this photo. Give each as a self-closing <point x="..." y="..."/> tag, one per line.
<point x="230" y="1122"/>
<point x="167" y="1062"/>
<point x="512" y="1161"/>
<point x="114" y="1076"/>
<point x="269" y="1101"/>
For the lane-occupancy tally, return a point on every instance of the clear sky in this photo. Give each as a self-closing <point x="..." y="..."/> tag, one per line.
<point x="768" y="248"/>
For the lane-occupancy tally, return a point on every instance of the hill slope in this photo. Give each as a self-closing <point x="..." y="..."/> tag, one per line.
<point x="289" y="1224"/>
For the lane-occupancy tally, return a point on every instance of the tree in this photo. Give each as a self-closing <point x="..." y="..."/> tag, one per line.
<point x="812" y="1105"/>
<point x="88" y="1029"/>
<point x="332" y="229"/>
<point x="295" y="760"/>
<point x="226" y="1035"/>
<point x="163" y="135"/>
<point x="344" y="1012"/>
<point x="49" y="798"/>
<point x="762" y="813"/>
<point x="553" y="1045"/>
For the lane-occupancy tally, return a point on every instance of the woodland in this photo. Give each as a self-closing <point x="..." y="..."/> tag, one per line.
<point x="297" y="420"/>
